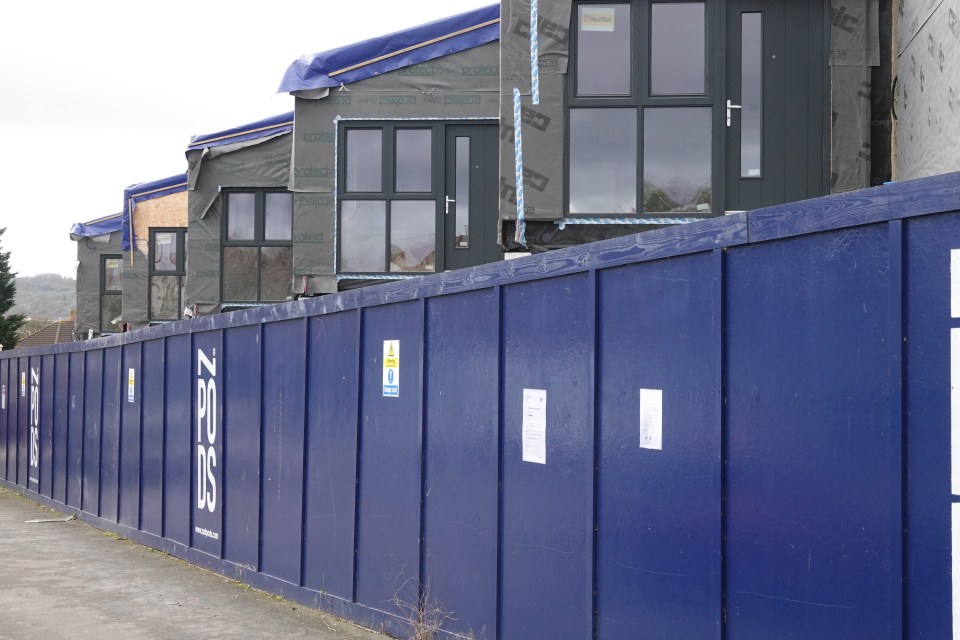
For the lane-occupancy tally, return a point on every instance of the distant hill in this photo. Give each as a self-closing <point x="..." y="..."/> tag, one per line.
<point x="47" y="295"/>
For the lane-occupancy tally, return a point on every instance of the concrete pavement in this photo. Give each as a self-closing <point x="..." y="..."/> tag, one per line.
<point x="69" y="580"/>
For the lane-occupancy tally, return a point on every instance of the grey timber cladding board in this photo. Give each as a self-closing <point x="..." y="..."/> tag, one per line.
<point x="928" y="100"/>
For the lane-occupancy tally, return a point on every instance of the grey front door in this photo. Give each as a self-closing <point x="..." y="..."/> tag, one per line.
<point x="775" y="102"/>
<point x="470" y="207"/>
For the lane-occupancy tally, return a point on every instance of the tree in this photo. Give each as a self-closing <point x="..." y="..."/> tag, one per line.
<point x="9" y="322"/>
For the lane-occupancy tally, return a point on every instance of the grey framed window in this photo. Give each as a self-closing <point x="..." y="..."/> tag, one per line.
<point x="168" y="270"/>
<point x="111" y="292"/>
<point x="390" y="187"/>
<point x="640" y="125"/>
<point x="257" y="256"/>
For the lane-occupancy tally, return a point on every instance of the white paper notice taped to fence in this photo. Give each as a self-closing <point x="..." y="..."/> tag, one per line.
<point x="391" y="368"/>
<point x="535" y="426"/>
<point x="955" y="283"/>
<point x="3" y="397"/>
<point x="651" y="419"/>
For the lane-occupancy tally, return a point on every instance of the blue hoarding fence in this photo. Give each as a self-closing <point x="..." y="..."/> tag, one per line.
<point x="738" y="428"/>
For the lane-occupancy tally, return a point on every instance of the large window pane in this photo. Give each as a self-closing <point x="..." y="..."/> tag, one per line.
<point x="165" y="251"/>
<point x="110" y="309"/>
<point x="603" y="161"/>
<point x="413" y="235"/>
<point x="676" y="160"/>
<point x="277" y="224"/>
<point x="112" y="274"/>
<point x="603" y="49"/>
<point x="677" y="48"/>
<point x="240" y="274"/>
<point x="364" y="159"/>
<point x="751" y="94"/>
<point x="413" y="154"/>
<point x="241" y="216"/>
<point x="164" y="297"/>
<point x="276" y="273"/>
<point x="363" y="235"/>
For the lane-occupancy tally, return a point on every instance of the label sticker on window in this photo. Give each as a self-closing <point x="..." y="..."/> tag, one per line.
<point x="599" y="19"/>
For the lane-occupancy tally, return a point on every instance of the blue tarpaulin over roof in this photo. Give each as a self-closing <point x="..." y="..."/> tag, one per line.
<point x="98" y="227"/>
<point x="272" y="126"/>
<point x="148" y="191"/>
<point x="393" y="51"/>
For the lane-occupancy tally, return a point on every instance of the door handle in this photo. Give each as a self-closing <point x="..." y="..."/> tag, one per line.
<point x="730" y="108"/>
<point x="446" y="207"/>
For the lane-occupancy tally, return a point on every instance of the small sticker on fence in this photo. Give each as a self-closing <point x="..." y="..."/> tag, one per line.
<point x="131" y="385"/>
<point x="391" y="368"/>
<point x="23" y="384"/>
<point x="534" y="434"/>
<point x="3" y="397"/>
<point x="651" y="419"/>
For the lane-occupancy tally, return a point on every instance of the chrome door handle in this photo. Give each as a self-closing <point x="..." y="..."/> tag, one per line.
<point x="730" y="107"/>
<point x="446" y="207"/>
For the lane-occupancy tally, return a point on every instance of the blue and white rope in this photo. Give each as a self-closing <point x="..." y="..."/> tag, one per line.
<point x="534" y="52"/>
<point x="521" y="235"/>
<point x="564" y="223"/>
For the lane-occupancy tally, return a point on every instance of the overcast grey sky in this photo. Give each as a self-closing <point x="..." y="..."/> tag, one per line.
<point x="99" y="95"/>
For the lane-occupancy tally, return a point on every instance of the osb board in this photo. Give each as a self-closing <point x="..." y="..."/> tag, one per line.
<point x="168" y="211"/>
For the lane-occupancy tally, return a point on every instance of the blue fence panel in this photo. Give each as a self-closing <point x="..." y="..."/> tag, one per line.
<point x="241" y="446"/>
<point x="814" y="481"/>
<point x="131" y="387"/>
<point x="548" y="508"/>
<point x="13" y="421"/>
<point x="110" y="434"/>
<point x="331" y="445"/>
<point x="32" y="429"/>
<point x="4" y="414"/>
<point x="47" y="393"/>
<point x="92" y="404"/>
<point x="23" y="428"/>
<point x="658" y="495"/>
<point x="60" y="390"/>
<point x="461" y="459"/>
<point x="388" y="517"/>
<point x="930" y="367"/>
<point x="208" y="438"/>
<point x="178" y="445"/>
<point x="75" y="428"/>
<point x="33" y="423"/>
<point x="284" y="388"/>
<point x="151" y="385"/>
